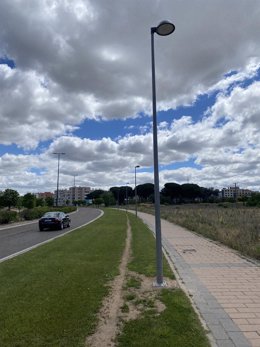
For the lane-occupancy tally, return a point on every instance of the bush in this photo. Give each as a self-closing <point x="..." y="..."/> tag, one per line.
<point x="8" y="216"/>
<point x="33" y="213"/>
<point x="38" y="212"/>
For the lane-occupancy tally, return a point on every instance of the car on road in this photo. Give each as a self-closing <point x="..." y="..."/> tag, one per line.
<point x="54" y="220"/>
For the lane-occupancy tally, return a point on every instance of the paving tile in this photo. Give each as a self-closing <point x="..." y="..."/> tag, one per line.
<point x="249" y="327"/>
<point x="240" y="321"/>
<point x="218" y="332"/>
<point x="228" y="324"/>
<point x="224" y="286"/>
<point x="226" y="343"/>
<point x="252" y="335"/>
<point x="239" y="339"/>
<point x="242" y="315"/>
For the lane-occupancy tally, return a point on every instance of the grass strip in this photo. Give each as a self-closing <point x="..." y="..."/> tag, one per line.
<point x="49" y="296"/>
<point x="178" y="325"/>
<point x="235" y="227"/>
<point x="144" y="250"/>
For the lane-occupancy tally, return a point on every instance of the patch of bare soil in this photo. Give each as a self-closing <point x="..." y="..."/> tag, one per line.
<point x="130" y="295"/>
<point x="140" y="295"/>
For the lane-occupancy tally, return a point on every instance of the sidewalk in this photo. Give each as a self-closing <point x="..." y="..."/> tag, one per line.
<point x="224" y="287"/>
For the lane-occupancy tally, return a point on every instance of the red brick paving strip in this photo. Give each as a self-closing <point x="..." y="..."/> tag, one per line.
<point x="224" y="285"/>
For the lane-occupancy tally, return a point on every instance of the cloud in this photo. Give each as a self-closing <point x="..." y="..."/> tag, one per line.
<point x="91" y="60"/>
<point x="96" y="66"/>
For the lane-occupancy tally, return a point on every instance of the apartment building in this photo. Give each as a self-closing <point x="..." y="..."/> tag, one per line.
<point x="79" y="193"/>
<point x="68" y="196"/>
<point x="44" y="195"/>
<point x="234" y="193"/>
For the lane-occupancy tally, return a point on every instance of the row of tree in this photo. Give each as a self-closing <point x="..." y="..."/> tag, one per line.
<point x="11" y="198"/>
<point x="171" y="193"/>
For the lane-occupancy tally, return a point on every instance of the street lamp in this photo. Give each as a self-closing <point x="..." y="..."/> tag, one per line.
<point x="58" y="176"/>
<point x="126" y="196"/>
<point x="163" y="29"/>
<point x="137" y="166"/>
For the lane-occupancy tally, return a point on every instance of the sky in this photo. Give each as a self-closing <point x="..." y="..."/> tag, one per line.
<point x="75" y="77"/>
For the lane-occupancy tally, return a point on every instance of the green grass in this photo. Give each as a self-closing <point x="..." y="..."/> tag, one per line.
<point x="143" y="248"/>
<point x="133" y="283"/>
<point x="236" y="227"/>
<point x="177" y="325"/>
<point x="49" y="296"/>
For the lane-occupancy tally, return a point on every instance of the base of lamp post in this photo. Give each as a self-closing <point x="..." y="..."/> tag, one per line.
<point x="160" y="285"/>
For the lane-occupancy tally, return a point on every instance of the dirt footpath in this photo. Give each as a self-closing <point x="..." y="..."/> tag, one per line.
<point x="113" y="313"/>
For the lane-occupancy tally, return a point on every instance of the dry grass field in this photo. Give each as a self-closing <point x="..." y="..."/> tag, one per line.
<point x="236" y="226"/>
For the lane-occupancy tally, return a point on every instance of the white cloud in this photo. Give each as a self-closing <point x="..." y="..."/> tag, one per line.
<point x="91" y="59"/>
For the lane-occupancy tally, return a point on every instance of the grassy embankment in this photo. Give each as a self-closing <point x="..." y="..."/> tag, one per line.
<point x="236" y="227"/>
<point x="50" y="296"/>
<point x="178" y="324"/>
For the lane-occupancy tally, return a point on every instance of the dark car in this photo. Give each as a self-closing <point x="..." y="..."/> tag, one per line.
<point x="54" y="220"/>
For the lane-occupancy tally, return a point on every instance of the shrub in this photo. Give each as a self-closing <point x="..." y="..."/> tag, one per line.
<point x="38" y="212"/>
<point x="8" y="216"/>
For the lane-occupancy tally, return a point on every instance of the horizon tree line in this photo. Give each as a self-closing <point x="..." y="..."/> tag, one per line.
<point x="171" y="193"/>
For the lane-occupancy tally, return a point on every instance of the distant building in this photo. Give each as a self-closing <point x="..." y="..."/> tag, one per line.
<point x="79" y="193"/>
<point x="68" y="196"/>
<point x="44" y="195"/>
<point x="234" y="193"/>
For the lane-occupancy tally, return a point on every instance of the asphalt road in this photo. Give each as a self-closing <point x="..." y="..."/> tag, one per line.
<point x="21" y="236"/>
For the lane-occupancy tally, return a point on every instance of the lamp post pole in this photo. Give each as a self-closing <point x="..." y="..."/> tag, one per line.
<point x="58" y="176"/>
<point x="126" y="196"/>
<point x="163" y="29"/>
<point x="137" y="166"/>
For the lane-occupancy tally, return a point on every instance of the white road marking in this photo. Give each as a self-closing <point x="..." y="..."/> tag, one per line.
<point x="49" y="240"/>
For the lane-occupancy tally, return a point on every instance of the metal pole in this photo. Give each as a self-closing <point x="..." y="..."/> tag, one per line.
<point x="57" y="192"/>
<point x="58" y="176"/>
<point x="135" y="194"/>
<point x="159" y="264"/>
<point x="126" y="197"/>
<point x="136" y="191"/>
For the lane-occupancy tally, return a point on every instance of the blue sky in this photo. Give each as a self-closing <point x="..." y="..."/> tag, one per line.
<point x="70" y="85"/>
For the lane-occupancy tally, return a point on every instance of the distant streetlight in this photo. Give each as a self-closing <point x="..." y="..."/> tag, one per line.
<point x="126" y="196"/>
<point x="118" y="192"/>
<point x="137" y="166"/>
<point x="163" y="29"/>
<point x="58" y="176"/>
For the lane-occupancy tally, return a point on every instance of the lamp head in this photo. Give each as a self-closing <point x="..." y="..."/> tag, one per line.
<point x="165" y="28"/>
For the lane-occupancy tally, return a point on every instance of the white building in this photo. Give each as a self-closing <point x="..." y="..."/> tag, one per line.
<point x="68" y="196"/>
<point x="234" y="193"/>
<point x="79" y="193"/>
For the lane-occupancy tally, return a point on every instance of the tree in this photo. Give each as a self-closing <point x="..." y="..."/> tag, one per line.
<point x="120" y="193"/>
<point x="172" y="191"/>
<point x="98" y="201"/>
<point x="1" y="200"/>
<point x="49" y="200"/>
<point x="145" y="191"/>
<point x="29" y="200"/>
<point x="209" y="194"/>
<point x="190" y="191"/>
<point x="40" y="202"/>
<point x="116" y="194"/>
<point x="10" y="198"/>
<point x="95" y="194"/>
<point x="254" y="200"/>
<point x="108" y="199"/>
